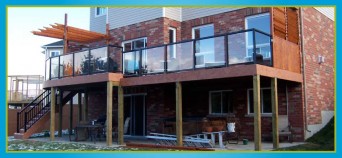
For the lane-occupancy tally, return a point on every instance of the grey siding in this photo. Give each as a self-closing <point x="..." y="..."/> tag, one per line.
<point x="119" y="17"/>
<point x="97" y="24"/>
<point x="327" y="11"/>
<point x="193" y="13"/>
<point x="173" y="13"/>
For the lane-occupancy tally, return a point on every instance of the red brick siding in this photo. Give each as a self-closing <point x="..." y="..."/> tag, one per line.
<point x="319" y="35"/>
<point x="223" y="23"/>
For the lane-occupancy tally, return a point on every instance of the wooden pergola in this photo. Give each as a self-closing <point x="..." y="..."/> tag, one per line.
<point x="69" y="33"/>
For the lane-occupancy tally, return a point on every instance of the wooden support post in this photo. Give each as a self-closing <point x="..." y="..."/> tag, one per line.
<point x="79" y="106"/>
<point x="71" y="114"/>
<point x="274" y="98"/>
<point x="109" y="113"/>
<point x="257" y="117"/>
<point x="85" y="106"/>
<point x="60" y="114"/>
<point x="179" y="126"/>
<point x="65" y="35"/>
<point x="52" y="114"/>
<point x="120" y="115"/>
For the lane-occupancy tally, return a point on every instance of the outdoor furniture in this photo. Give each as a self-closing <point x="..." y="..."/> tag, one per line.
<point x="171" y="140"/>
<point x="212" y="136"/>
<point x="284" y="127"/>
<point x="91" y="130"/>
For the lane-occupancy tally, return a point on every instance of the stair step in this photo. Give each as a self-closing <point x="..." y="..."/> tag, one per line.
<point x="18" y="136"/>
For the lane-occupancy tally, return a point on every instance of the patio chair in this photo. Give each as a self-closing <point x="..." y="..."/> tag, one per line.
<point x="233" y="128"/>
<point x="284" y="127"/>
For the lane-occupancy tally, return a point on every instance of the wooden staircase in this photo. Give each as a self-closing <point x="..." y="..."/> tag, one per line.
<point x="34" y="115"/>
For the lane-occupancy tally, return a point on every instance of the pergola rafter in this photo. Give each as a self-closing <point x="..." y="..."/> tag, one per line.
<point x="72" y="33"/>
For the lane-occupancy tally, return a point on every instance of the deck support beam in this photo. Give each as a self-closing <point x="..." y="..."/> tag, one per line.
<point x="179" y="126"/>
<point x="85" y="106"/>
<point x="79" y="107"/>
<point x="60" y="114"/>
<point x="71" y="114"/>
<point x="109" y="113"/>
<point x="274" y="98"/>
<point x="52" y="113"/>
<point x="257" y="117"/>
<point x="120" y="116"/>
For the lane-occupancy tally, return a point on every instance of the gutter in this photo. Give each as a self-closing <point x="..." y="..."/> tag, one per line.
<point x="303" y="69"/>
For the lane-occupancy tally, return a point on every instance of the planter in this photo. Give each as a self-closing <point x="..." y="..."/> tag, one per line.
<point x="218" y="128"/>
<point x="208" y="129"/>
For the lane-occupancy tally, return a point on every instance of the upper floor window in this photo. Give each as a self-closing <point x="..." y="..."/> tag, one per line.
<point x="204" y="51"/>
<point x="260" y="22"/>
<point x="172" y="39"/>
<point x="265" y="101"/>
<point x="134" y="44"/>
<point x="202" y="31"/>
<point x="100" y="11"/>
<point x="54" y="53"/>
<point x="221" y="102"/>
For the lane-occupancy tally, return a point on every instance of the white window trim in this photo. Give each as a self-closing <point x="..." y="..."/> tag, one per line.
<point x="202" y="26"/>
<point x="131" y="40"/>
<point x="261" y="101"/>
<point x="248" y="46"/>
<point x="174" y="40"/>
<point x="105" y="13"/>
<point x="210" y="92"/>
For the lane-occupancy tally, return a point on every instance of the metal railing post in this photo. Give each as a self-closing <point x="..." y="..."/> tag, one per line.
<point x="254" y="47"/>
<point x="140" y="63"/>
<point x="89" y="61"/>
<point x="25" y="121"/>
<point x="73" y="64"/>
<point x="165" y="59"/>
<point x="194" y="54"/>
<point x="226" y="47"/>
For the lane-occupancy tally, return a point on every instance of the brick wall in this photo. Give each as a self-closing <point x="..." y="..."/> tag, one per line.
<point x="12" y="119"/>
<point x="318" y="40"/>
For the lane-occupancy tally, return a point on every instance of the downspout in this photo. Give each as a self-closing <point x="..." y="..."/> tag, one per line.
<point x="303" y="69"/>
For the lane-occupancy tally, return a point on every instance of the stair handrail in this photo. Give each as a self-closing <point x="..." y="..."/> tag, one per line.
<point x="33" y="103"/>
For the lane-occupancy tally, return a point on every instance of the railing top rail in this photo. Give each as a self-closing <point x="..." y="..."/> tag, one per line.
<point x="33" y="101"/>
<point x="85" y="50"/>
<point x="198" y="39"/>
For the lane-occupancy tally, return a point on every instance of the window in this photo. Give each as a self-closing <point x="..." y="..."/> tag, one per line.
<point x="172" y="39"/>
<point x="204" y="48"/>
<point x="100" y="11"/>
<point x="220" y="102"/>
<point x="260" y="22"/>
<point x="54" y="53"/>
<point x="134" y="44"/>
<point x="265" y="99"/>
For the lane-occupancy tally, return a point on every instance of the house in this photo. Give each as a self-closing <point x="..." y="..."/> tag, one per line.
<point x="168" y="68"/>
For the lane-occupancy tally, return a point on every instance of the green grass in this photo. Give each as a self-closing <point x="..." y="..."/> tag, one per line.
<point x="31" y="145"/>
<point x="321" y="141"/>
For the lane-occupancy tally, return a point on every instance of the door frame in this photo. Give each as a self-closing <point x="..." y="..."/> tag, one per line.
<point x="131" y="111"/>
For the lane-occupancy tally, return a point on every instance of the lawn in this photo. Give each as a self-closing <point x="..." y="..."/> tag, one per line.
<point x="31" y="145"/>
<point x="321" y="141"/>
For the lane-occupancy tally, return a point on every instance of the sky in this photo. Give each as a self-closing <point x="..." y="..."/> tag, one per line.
<point x="24" y="51"/>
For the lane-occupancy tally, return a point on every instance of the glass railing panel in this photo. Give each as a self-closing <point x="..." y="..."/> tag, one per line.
<point x="239" y="48"/>
<point x="66" y="65"/>
<point x="180" y="56"/>
<point x="153" y="60"/>
<point x="99" y="60"/>
<point x="54" y="67"/>
<point x="263" y="49"/>
<point x="210" y="52"/>
<point x="47" y="69"/>
<point x="81" y="65"/>
<point x="115" y="59"/>
<point x="131" y="63"/>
